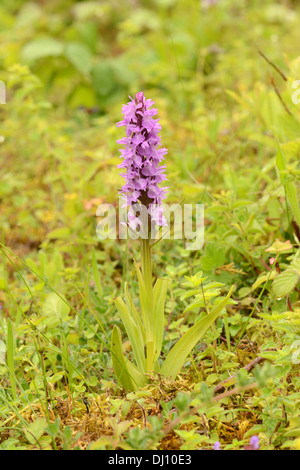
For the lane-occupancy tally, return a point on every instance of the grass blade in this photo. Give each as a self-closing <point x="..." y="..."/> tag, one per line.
<point x="10" y="358"/>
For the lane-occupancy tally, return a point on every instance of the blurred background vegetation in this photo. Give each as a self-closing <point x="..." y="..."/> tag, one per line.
<point x="69" y="65"/>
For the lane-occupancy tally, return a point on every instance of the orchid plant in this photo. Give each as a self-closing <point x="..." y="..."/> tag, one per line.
<point x="142" y="155"/>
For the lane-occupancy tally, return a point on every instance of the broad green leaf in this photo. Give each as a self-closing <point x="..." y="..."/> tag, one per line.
<point x="35" y="430"/>
<point x="127" y="374"/>
<point x="59" y="233"/>
<point x="279" y="247"/>
<point x="28" y="15"/>
<point x="213" y="257"/>
<point x="284" y="283"/>
<point x="85" y="10"/>
<point x="178" y="354"/>
<point x="80" y="57"/>
<point x="55" y="377"/>
<point x="291" y="149"/>
<point x="295" y="264"/>
<point x="41" y="48"/>
<point x="103" y="78"/>
<point x="55" y="308"/>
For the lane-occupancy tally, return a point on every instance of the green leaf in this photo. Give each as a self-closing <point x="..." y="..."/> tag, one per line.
<point x="176" y="357"/>
<point x="134" y="334"/>
<point x="213" y="258"/>
<point x="41" y="48"/>
<point x="59" y="233"/>
<point x="127" y="374"/>
<point x="263" y="278"/>
<point x="145" y="303"/>
<point x="28" y="15"/>
<point x="103" y="78"/>
<point x="54" y="306"/>
<point x="146" y="300"/>
<point x="80" y="57"/>
<point x="35" y="430"/>
<point x="291" y="149"/>
<point x="53" y="428"/>
<point x="284" y="283"/>
<point x="134" y="313"/>
<point x="159" y="297"/>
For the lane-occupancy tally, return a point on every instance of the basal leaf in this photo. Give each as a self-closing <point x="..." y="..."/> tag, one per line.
<point x="159" y="297"/>
<point x="134" y="334"/>
<point x="127" y="374"/>
<point x="183" y="347"/>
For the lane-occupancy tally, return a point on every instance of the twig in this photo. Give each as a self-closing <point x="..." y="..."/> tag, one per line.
<point x="279" y="96"/>
<point x="144" y="414"/>
<point x="234" y="391"/>
<point x="231" y="380"/>
<point x="272" y="65"/>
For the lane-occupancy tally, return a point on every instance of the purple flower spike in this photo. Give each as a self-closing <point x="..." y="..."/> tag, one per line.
<point x="142" y="154"/>
<point x="217" y="445"/>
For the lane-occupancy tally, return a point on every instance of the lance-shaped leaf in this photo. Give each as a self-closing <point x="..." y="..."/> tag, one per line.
<point x="178" y="354"/>
<point x="146" y="300"/>
<point x="159" y="297"/>
<point x="134" y="313"/>
<point x="146" y="306"/>
<point x="135" y="336"/>
<point x="127" y="374"/>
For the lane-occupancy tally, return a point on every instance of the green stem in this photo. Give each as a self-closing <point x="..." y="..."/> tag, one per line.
<point x="147" y="275"/>
<point x="147" y="266"/>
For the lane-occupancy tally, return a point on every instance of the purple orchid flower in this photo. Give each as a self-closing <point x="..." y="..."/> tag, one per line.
<point x="217" y="445"/>
<point x="253" y="444"/>
<point x="142" y="154"/>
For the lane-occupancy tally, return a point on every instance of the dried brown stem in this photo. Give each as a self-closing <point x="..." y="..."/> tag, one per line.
<point x="280" y="97"/>
<point x="272" y="65"/>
